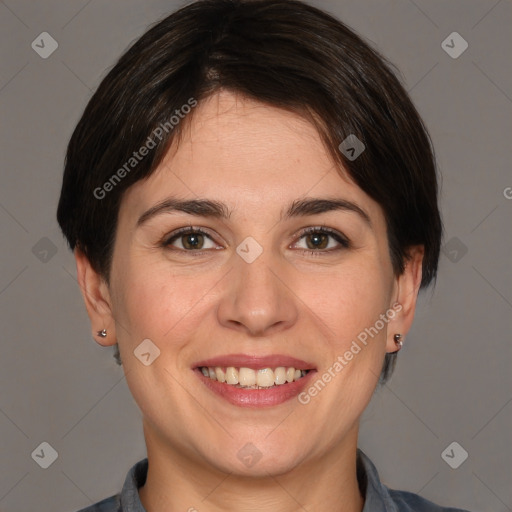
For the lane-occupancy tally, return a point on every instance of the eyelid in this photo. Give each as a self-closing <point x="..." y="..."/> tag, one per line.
<point x="168" y="239"/>
<point x="339" y="237"/>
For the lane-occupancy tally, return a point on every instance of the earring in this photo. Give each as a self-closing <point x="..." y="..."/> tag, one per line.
<point x="102" y="333"/>
<point x="398" y="340"/>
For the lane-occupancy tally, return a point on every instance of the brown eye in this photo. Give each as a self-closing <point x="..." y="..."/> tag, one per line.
<point x="323" y="240"/>
<point x="317" y="241"/>
<point x="190" y="240"/>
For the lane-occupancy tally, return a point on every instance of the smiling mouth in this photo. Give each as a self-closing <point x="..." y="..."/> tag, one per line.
<point x="249" y="378"/>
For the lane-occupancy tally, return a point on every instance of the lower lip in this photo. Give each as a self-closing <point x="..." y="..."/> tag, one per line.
<point x="256" y="397"/>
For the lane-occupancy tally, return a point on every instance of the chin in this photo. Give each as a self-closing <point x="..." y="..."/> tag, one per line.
<point x="260" y="458"/>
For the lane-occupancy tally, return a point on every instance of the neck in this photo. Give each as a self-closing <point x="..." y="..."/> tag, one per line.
<point x="177" y="481"/>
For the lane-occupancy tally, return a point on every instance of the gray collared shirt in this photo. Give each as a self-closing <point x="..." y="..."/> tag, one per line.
<point x="378" y="497"/>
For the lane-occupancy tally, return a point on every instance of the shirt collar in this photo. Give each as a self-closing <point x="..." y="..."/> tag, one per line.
<point x="376" y="495"/>
<point x="136" y="477"/>
<point x="377" y="498"/>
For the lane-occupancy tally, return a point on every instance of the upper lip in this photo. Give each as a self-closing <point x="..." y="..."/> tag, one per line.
<point x="256" y="362"/>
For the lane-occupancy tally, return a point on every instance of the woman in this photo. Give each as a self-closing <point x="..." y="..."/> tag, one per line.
<point x="251" y="199"/>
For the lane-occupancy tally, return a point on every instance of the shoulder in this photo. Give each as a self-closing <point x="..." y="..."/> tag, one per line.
<point x="112" y="504"/>
<point x="128" y="499"/>
<point x="379" y="497"/>
<point x="410" y="502"/>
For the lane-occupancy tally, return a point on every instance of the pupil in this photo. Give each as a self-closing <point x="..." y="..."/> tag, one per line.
<point x="192" y="241"/>
<point x="318" y="241"/>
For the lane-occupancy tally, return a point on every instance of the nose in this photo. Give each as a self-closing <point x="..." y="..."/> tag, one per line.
<point x="258" y="299"/>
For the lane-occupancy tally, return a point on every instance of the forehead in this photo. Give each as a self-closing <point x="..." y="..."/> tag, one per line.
<point x="248" y="154"/>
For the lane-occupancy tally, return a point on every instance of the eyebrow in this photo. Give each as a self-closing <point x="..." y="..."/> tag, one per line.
<point x="216" y="209"/>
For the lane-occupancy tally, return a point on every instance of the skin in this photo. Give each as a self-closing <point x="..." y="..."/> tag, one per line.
<point x="257" y="160"/>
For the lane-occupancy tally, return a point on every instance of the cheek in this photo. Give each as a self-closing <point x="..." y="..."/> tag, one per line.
<point x="348" y="303"/>
<point x="155" y="303"/>
<point x="350" y="298"/>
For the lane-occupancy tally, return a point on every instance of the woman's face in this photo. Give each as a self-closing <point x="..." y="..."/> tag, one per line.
<point x="252" y="290"/>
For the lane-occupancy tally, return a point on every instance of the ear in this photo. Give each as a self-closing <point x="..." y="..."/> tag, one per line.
<point x="97" y="299"/>
<point x="406" y="294"/>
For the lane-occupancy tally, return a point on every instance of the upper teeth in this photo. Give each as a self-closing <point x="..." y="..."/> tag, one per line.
<point x="247" y="377"/>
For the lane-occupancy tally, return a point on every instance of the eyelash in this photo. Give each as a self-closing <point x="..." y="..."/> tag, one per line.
<point x="342" y="240"/>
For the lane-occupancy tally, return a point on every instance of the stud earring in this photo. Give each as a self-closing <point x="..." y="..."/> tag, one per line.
<point x="102" y="333"/>
<point x="398" y="340"/>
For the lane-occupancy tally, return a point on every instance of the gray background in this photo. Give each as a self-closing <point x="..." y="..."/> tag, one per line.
<point x="453" y="380"/>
